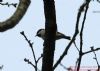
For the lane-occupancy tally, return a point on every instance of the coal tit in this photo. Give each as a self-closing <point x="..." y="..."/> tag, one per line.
<point x="41" y="34"/>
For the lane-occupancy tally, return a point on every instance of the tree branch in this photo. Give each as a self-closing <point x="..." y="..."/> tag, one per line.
<point x="12" y="4"/>
<point x="91" y="51"/>
<point x="50" y="34"/>
<point x="29" y="62"/>
<point x="31" y="45"/>
<point x="70" y="43"/>
<point x="16" y="17"/>
<point x="85" y="5"/>
<point x="95" y="58"/>
<point x="69" y="68"/>
<point x="74" y="36"/>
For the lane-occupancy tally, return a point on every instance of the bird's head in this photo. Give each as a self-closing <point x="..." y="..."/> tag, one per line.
<point x="40" y="33"/>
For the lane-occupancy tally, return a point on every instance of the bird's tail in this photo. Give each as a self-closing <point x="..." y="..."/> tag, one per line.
<point x="67" y="37"/>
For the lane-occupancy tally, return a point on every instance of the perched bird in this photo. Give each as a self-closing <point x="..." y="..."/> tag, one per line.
<point x="41" y="34"/>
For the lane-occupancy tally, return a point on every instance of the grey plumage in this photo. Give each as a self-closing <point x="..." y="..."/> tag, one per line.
<point x="41" y="34"/>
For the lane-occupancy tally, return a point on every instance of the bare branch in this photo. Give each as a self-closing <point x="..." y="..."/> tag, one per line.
<point x="95" y="58"/>
<point x="76" y="46"/>
<point x="84" y="5"/>
<point x="74" y="36"/>
<point x="31" y="45"/>
<point x="39" y="58"/>
<point x="29" y="62"/>
<point x="16" y="17"/>
<point x="12" y="4"/>
<point x="69" y="68"/>
<point x="91" y="51"/>
<point x="63" y="66"/>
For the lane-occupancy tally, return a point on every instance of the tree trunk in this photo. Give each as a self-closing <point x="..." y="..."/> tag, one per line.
<point x="50" y="28"/>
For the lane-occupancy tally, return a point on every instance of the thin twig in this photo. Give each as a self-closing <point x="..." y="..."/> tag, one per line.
<point x="69" y="68"/>
<point x="63" y="66"/>
<point x="31" y="45"/>
<point x="12" y="4"/>
<point x="76" y="64"/>
<point x="76" y="46"/>
<point x="29" y="62"/>
<point x="91" y="51"/>
<point x="92" y="48"/>
<point x="84" y="5"/>
<point x="39" y="58"/>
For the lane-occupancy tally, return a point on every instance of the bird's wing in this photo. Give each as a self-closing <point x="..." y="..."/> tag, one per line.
<point x="60" y="35"/>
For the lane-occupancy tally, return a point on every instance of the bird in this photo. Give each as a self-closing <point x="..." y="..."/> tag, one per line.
<point x="41" y="33"/>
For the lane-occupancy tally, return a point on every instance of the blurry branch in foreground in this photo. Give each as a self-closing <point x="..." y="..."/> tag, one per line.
<point x="16" y="17"/>
<point x="34" y="56"/>
<point x="98" y="1"/>
<point x="12" y="4"/>
<point x="1" y="67"/>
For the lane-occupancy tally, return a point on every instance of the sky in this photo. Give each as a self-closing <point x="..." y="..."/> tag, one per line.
<point x="14" y="48"/>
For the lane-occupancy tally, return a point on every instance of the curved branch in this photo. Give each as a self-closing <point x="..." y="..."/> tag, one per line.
<point x="16" y="17"/>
